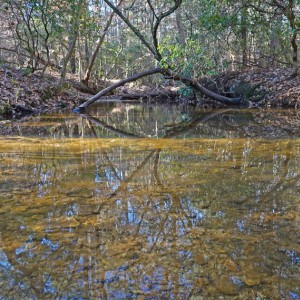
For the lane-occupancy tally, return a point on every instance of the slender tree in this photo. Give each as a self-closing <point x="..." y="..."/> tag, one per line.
<point x="99" y="44"/>
<point x="156" y="18"/>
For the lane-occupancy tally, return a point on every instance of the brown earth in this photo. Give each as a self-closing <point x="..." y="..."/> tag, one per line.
<point x="260" y="87"/>
<point x="23" y="93"/>
<point x="34" y="92"/>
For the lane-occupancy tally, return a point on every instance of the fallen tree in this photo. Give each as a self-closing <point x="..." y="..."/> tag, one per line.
<point x="118" y="84"/>
<point x="188" y="81"/>
<point x="153" y="47"/>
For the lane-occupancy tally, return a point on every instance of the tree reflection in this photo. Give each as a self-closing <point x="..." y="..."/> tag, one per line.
<point x="150" y="218"/>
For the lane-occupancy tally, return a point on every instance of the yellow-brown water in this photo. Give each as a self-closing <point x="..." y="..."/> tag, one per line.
<point x="148" y="218"/>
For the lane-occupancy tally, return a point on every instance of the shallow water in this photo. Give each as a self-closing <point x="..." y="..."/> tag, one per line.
<point x="150" y="202"/>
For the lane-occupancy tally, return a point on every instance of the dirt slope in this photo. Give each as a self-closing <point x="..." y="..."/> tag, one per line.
<point x="33" y="92"/>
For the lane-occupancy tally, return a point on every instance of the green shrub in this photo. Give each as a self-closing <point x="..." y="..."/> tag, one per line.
<point x="5" y="109"/>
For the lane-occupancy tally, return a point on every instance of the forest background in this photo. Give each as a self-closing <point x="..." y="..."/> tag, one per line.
<point x="98" y="42"/>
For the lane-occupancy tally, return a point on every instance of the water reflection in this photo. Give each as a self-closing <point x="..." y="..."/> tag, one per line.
<point x="110" y="120"/>
<point x="150" y="218"/>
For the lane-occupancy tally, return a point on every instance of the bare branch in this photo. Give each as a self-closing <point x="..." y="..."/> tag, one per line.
<point x="163" y="15"/>
<point x="134" y="29"/>
<point x="118" y="84"/>
<point x="188" y="81"/>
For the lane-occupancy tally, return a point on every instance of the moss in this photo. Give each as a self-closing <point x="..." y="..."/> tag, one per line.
<point x="249" y="92"/>
<point x="26" y="71"/>
<point x="5" y="109"/>
<point x="49" y="92"/>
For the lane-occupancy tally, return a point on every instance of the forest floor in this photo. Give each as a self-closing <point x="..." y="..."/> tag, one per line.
<point x="24" y="93"/>
<point x="272" y="87"/>
<point x="21" y="93"/>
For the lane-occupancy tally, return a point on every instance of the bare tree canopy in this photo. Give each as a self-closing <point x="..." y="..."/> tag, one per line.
<point x="106" y="40"/>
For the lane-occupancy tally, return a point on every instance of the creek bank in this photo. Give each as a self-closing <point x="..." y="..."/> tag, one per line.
<point x="23" y="93"/>
<point x="273" y="87"/>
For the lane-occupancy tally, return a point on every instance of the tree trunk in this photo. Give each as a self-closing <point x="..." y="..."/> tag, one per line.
<point x="135" y="30"/>
<point x="98" y="46"/>
<point x="154" y="49"/>
<point x="72" y="57"/>
<point x="180" y="27"/>
<point x="244" y="38"/>
<point x="290" y="14"/>
<point x="197" y="86"/>
<point x="118" y="84"/>
<point x="68" y="56"/>
<point x="295" y="55"/>
<point x="188" y="81"/>
<point x="71" y="43"/>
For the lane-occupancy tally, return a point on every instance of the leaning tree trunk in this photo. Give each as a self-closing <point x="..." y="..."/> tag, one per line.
<point x="187" y="81"/>
<point x="197" y="86"/>
<point x="290" y="14"/>
<point x="67" y="58"/>
<point x="154" y="49"/>
<point x="71" y="44"/>
<point x="118" y="84"/>
<point x="98" y="46"/>
<point x="295" y="55"/>
<point x="244" y="37"/>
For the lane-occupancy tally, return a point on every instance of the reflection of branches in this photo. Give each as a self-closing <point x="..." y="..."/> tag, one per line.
<point x="194" y="123"/>
<point x="175" y="207"/>
<point x="141" y="220"/>
<point x="170" y="221"/>
<point x="155" y="167"/>
<point x="173" y="133"/>
<point x="109" y="128"/>
<point x="159" y="223"/>
<point x="281" y="186"/>
<point x="155" y="153"/>
<point x="284" y="182"/>
<point x="105" y="155"/>
<point x="92" y="128"/>
<point x="163" y="227"/>
<point x="60" y="288"/>
<point x="20" y="277"/>
<point x="125" y="182"/>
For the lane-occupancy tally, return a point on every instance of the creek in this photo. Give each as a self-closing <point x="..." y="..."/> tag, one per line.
<point x="134" y="201"/>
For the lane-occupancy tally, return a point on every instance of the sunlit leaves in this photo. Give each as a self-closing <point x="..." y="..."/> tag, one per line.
<point x="190" y="59"/>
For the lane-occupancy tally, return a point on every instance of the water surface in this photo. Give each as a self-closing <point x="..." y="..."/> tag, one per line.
<point x="150" y="202"/>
